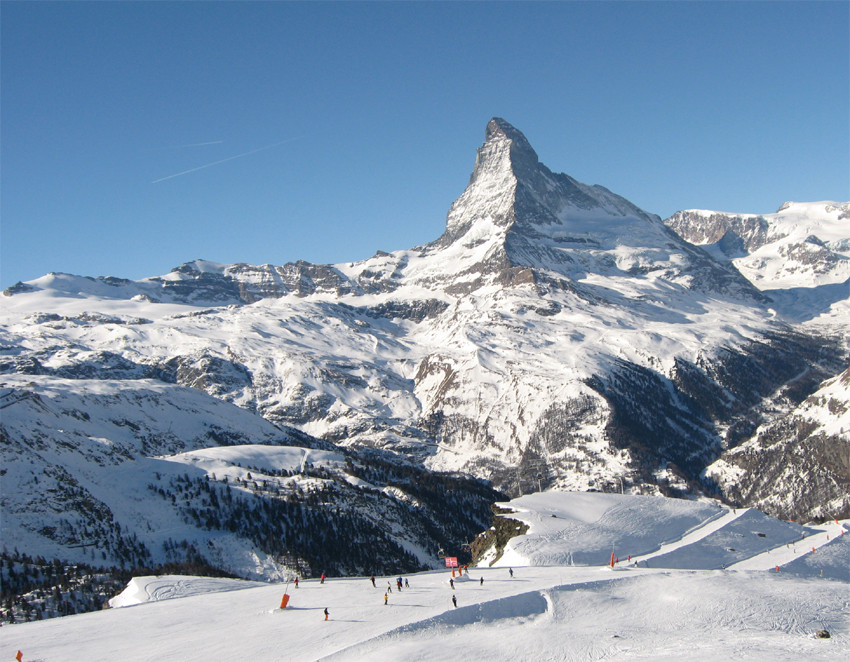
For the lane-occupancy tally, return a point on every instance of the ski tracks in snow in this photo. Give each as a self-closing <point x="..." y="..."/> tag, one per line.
<point x="784" y="554"/>
<point x="696" y="534"/>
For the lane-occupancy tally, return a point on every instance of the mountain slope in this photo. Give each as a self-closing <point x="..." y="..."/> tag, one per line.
<point x="798" y="465"/>
<point x="802" y="244"/>
<point x="799" y="257"/>
<point x="123" y="474"/>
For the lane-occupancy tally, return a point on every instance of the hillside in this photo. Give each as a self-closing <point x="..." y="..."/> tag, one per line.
<point x="104" y="477"/>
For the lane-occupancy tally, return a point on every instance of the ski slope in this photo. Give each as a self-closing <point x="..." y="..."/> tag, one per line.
<point x="542" y="612"/>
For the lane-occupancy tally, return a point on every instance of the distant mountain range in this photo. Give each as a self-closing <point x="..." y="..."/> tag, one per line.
<point x="554" y="337"/>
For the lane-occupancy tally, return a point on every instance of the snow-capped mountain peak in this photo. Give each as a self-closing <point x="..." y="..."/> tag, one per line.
<point x="492" y="184"/>
<point x="517" y="221"/>
<point x="498" y="133"/>
<point x="510" y="189"/>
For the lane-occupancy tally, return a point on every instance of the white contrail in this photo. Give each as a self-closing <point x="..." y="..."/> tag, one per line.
<point x="159" y="149"/>
<point x="229" y="158"/>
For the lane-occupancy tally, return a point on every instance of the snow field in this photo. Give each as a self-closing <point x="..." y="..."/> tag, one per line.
<point x="670" y="616"/>
<point x="550" y="613"/>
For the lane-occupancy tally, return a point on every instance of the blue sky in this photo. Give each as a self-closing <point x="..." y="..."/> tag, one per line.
<point x="138" y="136"/>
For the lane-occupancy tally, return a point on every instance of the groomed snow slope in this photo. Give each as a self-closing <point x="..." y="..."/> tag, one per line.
<point x="551" y="612"/>
<point x="581" y="528"/>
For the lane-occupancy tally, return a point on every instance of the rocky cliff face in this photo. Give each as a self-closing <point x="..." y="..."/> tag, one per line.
<point x="801" y="245"/>
<point x="555" y="336"/>
<point x="796" y="465"/>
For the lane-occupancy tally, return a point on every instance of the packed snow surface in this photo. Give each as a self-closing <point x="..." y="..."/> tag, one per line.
<point x="169" y="587"/>
<point x="540" y="612"/>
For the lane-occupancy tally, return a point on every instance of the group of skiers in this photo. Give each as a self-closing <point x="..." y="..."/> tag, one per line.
<point x="399" y="582"/>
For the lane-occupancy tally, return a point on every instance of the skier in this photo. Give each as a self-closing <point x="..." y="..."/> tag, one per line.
<point x="326" y="613"/>
<point x="389" y="588"/>
<point x="454" y="601"/>
<point x="482" y="582"/>
<point x="511" y="570"/>
<point x="323" y="578"/>
<point x="385" y="598"/>
<point x="372" y="578"/>
<point x="452" y="582"/>
<point x="398" y="583"/>
<point x="296" y="582"/>
<point x="406" y="585"/>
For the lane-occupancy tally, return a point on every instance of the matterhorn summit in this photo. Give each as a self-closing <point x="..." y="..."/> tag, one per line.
<point x="517" y="221"/>
<point x="512" y="189"/>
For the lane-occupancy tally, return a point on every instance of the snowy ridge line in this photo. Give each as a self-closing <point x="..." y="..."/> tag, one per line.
<point x="653" y="532"/>
<point x="624" y="524"/>
<point x="141" y="590"/>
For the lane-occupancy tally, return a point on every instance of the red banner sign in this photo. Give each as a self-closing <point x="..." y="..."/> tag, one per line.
<point x="451" y="562"/>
